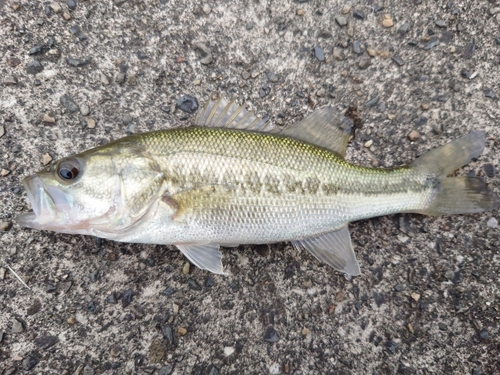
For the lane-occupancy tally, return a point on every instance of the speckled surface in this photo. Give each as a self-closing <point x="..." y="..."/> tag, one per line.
<point x="427" y="300"/>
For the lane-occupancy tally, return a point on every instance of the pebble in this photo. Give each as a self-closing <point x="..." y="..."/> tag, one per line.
<point x="187" y="103"/>
<point x="90" y="123"/>
<point x="169" y="291"/>
<point x="255" y="74"/>
<point x="4" y="172"/>
<point x="29" y="362"/>
<point x="71" y="4"/>
<point x="17" y="326"/>
<point x="490" y="170"/>
<point x="413" y="135"/>
<point x="469" y="50"/>
<point x="318" y="52"/>
<point x="387" y="21"/>
<point x="5" y="226"/>
<point x="300" y="12"/>
<point x="186" y="268"/>
<point x="338" y="53"/>
<point x="477" y="370"/>
<point x="127" y="298"/>
<point x="371" y="51"/>
<point x="346" y="9"/>
<point x="341" y="20"/>
<point x="433" y="42"/>
<point x="320" y="93"/>
<point x="13" y="62"/>
<point x="398" y="60"/>
<point x="271" y="335"/>
<point x="166" y="370"/>
<point x="77" y="63"/>
<point x="46" y="159"/>
<point x="359" y="14"/>
<point x="410" y="328"/>
<point x="449" y="274"/>
<point x="272" y="77"/>
<point x="10" y="81"/>
<point x="34" y="67"/>
<point x="84" y="109"/>
<point x="48" y="118"/>
<point x="440" y="23"/>
<point x="3" y="272"/>
<point x="492" y="223"/>
<point x="356" y="47"/>
<point x="87" y="370"/>
<point x="207" y="9"/>
<point x="66" y="16"/>
<point x="484" y="334"/>
<point x="372" y="102"/>
<point x="120" y="78"/>
<point x="182" y="331"/>
<point x="206" y="53"/>
<point x="489" y="93"/>
<point x="45" y="342"/>
<point x="68" y="102"/>
<point x="415" y="296"/>
<point x="141" y="55"/>
<point x="245" y="75"/>
<point x="494" y="11"/>
<point x="71" y="320"/>
<point x="55" y="7"/>
<point x="209" y="282"/>
<point x="424" y="106"/>
<point x="368" y="143"/>
<point x="305" y="331"/>
<point x="193" y="284"/>
<point x="104" y="79"/>
<point x="404" y="28"/>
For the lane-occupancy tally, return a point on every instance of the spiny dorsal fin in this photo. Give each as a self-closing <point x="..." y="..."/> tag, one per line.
<point x="325" y="127"/>
<point x="224" y="114"/>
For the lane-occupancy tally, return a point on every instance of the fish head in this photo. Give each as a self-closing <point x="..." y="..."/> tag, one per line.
<point x="100" y="192"/>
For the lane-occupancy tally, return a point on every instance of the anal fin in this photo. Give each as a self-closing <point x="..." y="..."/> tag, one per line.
<point x="204" y="256"/>
<point x="335" y="249"/>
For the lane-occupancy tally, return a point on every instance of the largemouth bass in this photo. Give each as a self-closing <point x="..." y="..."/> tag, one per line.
<point x="232" y="179"/>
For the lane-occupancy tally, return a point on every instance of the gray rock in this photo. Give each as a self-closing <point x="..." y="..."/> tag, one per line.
<point x="71" y="4"/>
<point x="372" y="102"/>
<point x="35" y="50"/>
<point x="318" y="52"/>
<point x="45" y="342"/>
<point x="120" y="78"/>
<point x="187" y="103"/>
<point x="404" y="28"/>
<point x="359" y="14"/>
<point x="433" y="42"/>
<point x="356" y="47"/>
<point x="492" y="223"/>
<point x="77" y="63"/>
<point x="29" y="362"/>
<point x="88" y="370"/>
<point x="34" y="67"/>
<point x="398" y="60"/>
<point x="68" y="102"/>
<point x="271" y="335"/>
<point x="489" y="93"/>
<point x="10" y="81"/>
<point x="440" y="23"/>
<point x="166" y="370"/>
<point x="84" y="110"/>
<point x="341" y="20"/>
<point x="17" y="326"/>
<point x="272" y="77"/>
<point x="469" y="50"/>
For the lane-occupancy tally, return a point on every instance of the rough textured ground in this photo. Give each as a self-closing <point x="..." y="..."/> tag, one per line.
<point x="428" y="299"/>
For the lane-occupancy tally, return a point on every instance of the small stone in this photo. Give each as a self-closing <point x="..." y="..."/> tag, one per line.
<point x="182" y="331"/>
<point x="5" y="226"/>
<point x="424" y="106"/>
<point x="489" y="93"/>
<point x="207" y="9"/>
<point x="4" y="172"/>
<point x="3" y="272"/>
<point x="359" y="14"/>
<point x="305" y="331"/>
<point x="449" y="274"/>
<point x="141" y="55"/>
<point x="300" y="12"/>
<point x="255" y="74"/>
<point x="490" y="170"/>
<point x="71" y="4"/>
<point x="90" y="123"/>
<point x="127" y="298"/>
<point x="87" y="370"/>
<point x="187" y="103"/>
<point x="120" y="78"/>
<point x="484" y="334"/>
<point x="186" y="268"/>
<point x="452" y="49"/>
<point x="387" y="21"/>
<point x="318" y="52"/>
<point x="209" y="282"/>
<point x="45" y="342"/>
<point x="165" y="370"/>
<point x="13" y="62"/>
<point x="433" y="42"/>
<point x="48" y="118"/>
<point x="10" y="81"/>
<point x="356" y="47"/>
<point x="71" y="320"/>
<point x="410" y="328"/>
<point x="169" y="291"/>
<point x="492" y="223"/>
<point x="245" y="75"/>
<point x="104" y="79"/>
<point x="494" y="11"/>
<point x="341" y="20"/>
<point x="320" y="93"/>
<point x="34" y="67"/>
<point x="68" y="102"/>
<point x="196" y="82"/>
<point x="193" y="284"/>
<point x="415" y="296"/>
<point x="440" y="23"/>
<point x="469" y="50"/>
<point x="29" y="362"/>
<point x="84" y="109"/>
<point x="46" y="159"/>
<point x="371" y="51"/>
<point x="372" y="102"/>
<point x="368" y="143"/>
<point x="271" y="335"/>
<point x="66" y="16"/>
<point x="404" y="28"/>
<point x="477" y="370"/>
<point x="398" y="60"/>
<point x="17" y="326"/>
<point x="55" y="7"/>
<point x="413" y="135"/>
<point x="272" y="77"/>
<point x="338" y="54"/>
<point x="77" y="63"/>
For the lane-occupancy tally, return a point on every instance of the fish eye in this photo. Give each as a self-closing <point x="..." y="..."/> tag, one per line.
<point x="68" y="169"/>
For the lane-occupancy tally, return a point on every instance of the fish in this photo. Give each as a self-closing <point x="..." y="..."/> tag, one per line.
<point x="232" y="178"/>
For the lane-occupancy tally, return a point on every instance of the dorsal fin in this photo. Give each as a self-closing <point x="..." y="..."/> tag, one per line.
<point x="325" y="127"/>
<point x="224" y="114"/>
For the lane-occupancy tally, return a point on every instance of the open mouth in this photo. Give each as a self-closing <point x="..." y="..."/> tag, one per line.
<point x="44" y="208"/>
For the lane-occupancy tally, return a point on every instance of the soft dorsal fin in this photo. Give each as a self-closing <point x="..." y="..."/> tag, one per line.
<point x="335" y="249"/>
<point x="325" y="127"/>
<point x="224" y="114"/>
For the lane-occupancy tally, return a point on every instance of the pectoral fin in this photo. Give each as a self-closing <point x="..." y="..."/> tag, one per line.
<point x="204" y="256"/>
<point x="335" y="249"/>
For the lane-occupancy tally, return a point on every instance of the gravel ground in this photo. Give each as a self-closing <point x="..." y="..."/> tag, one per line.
<point x="413" y="74"/>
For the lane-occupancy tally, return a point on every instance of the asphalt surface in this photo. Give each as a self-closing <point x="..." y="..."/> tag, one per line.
<point x="414" y="75"/>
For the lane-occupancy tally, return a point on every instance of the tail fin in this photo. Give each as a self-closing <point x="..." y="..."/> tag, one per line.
<point x="457" y="195"/>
